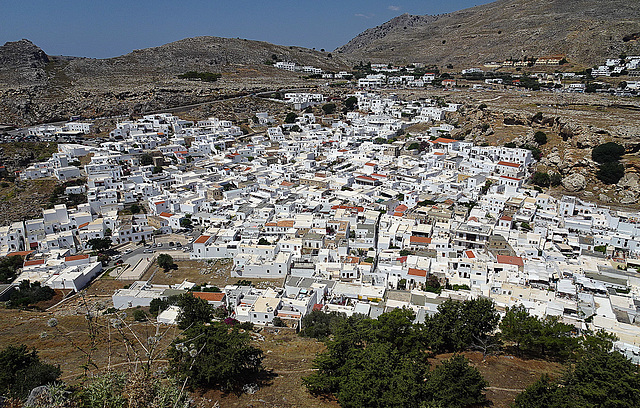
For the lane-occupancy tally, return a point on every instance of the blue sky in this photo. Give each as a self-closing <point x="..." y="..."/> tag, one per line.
<point x="108" y="28"/>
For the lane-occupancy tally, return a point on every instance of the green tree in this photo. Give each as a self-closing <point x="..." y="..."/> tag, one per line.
<point x="9" y="267"/>
<point x="555" y="179"/>
<point x="351" y="102"/>
<point x="458" y="325"/>
<point x="607" y="152"/>
<point x="541" y="179"/>
<point x="319" y="325"/>
<point x="455" y="383"/>
<point x="329" y="108"/>
<point x="290" y="118"/>
<point x="21" y="370"/>
<point x="99" y="244"/>
<point x="540" y="137"/>
<point x="186" y="223"/>
<point x="165" y="261"/>
<point x="611" y="172"/>
<point x="146" y="160"/>
<point x="139" y="315"/>
<point x="382" y="377"/>
<point x="533" y="337"/>
<point x="263" y="241"/>
<point x="215" y="356"/>
<point x="193" y="311"/>
<point x="598" y="379"/>
<point x="29" y="293"/>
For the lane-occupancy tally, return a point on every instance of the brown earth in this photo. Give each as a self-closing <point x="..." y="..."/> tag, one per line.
<point x="217" y="273"/>
<point x="287" y="355"/>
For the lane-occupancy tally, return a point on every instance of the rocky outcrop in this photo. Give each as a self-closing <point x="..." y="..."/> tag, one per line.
<point x="586" y="31"/>
<point x="574" y="182"/>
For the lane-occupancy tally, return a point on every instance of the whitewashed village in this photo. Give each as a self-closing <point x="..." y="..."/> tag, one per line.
<point x="351" y="219"/>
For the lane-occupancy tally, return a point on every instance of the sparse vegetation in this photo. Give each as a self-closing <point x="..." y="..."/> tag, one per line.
<point x="200" y="76"/>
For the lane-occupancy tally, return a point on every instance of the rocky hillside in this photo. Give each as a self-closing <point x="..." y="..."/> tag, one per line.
<point x="37" y="88"/>
<point x="586" y="31"/>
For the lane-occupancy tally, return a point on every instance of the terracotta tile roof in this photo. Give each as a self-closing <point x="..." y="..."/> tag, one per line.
<point x="83" y="225"/>
<point x="443" y="140"/>
<point x="20" y="253"/>
<point x="510" y="260"/>
<point x="419" y="240"/>
<point x="286" y="184"/>
<point x="165" y="214"/>
<point x="160" y="202"/>
<point x="401" y="208"/>
<point x="202" y="239"/>
<point x="34" y="262"/>
<point x="470" y="254"/>
<point x="505" y="218"/>
<point x="366" y="178"/>
<point x="286" y="223"/>
<point x="209" y="296"/>
<point x="510" y="178"/>
<point x="417" y="272"/>
<point x="346" y="207"/>
<point x="75" y="258"/>
<point x="508" y="164"/>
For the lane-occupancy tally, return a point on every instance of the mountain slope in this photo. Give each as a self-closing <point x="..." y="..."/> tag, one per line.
<point x="37" y="88"/>
<point x="587" y="31"/>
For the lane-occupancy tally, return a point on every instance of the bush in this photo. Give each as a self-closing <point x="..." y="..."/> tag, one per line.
<point x="607" y="152"/>
<point x="21" y="370"/>
<point x="541" y="179"/>
<point x="610" y="173"/>
<point x="9" y="267"/>
<point x="329" y="108"/>
<point x="139" y="315"/>
<point x="290" y="118"/>
<point x="351" y="102"/>
<point x="540" y="137"/>
<point x="30" y="293"/>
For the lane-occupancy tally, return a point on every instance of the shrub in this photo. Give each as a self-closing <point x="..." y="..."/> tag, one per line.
<point x="139" y="315"/>
<point x="607" y="152"/>
<point x="21" y="370"/>
<point x="290" y="118"/>
<point x="540" y="137"/>
<point x="541" y="179"/>
<point x="329" y="108"/>
<point x="610" y="173"/>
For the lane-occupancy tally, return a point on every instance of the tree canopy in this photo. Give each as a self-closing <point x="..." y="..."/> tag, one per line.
<point x="215" y="355"/>
<point x="9" y="267"/>
<point x="598" y="379"/>
<point x="21" y="370"/>
<point x="607" y="152"/>
<point x="165" y="261"/>
<point x="193" y="311"/>
<point x="99" y="244"/>
<point x="384" y="363"/>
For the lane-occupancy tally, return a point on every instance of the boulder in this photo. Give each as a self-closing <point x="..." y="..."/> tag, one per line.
<point x="630" y="181"/>
<point x="574" y="182"/>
